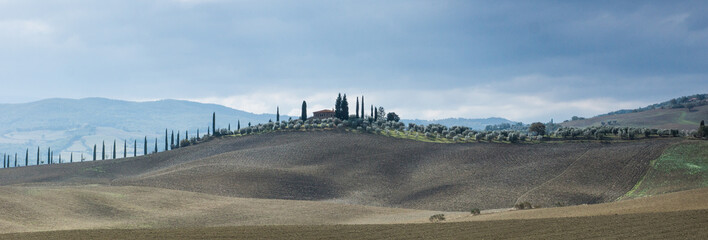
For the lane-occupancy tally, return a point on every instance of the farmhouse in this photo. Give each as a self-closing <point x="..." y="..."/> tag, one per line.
<point x="322" y="114"/>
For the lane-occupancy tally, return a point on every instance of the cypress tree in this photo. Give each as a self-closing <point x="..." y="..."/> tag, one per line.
<point x="114" y="149"/>
<point x="94" y="152"/>
<point x="303" y="115"/>
<point x="238" y="126"/>
<point x="186" y="134"/>
<point x="166" y="142"/>
<point x="4" y="161"/>
<point x="82" y="157"/>
<point x="71" y="157"/>
<point x="172" y="140"/>
<point x="229" y="128"/>
<point x="15" y="159"/>
<point x="103" y="151"/>
<point x="338" y="106"/>
<point x="376" y="114"/>
<point x="49" y="155"/>
<point x="277" y="114"/>
<point x="372" y="111"/>
<point x="145" y="146"/>
<point x="357" y="107"/>
<point x="156" y="145"/>
<point x="345" y="107"/>
<point x="213" y="124"/>
<point x="37" y="155"/>
<point x="135" y="147"/>
<point x="362" y="107"/>
<point x="197" y="134"/>
<point x="27" y="158"/>
<point x="177" y="139"/>
<point x="125" y="148"/>
<point x="208" y="132"/>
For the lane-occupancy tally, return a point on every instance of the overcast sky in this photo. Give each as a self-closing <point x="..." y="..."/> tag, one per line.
<point x="525" y="61"/>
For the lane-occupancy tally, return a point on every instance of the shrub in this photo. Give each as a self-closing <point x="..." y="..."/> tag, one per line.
<point x="184" y="143"/>
<point x="437" y="218"/>
<point x="523" y="205"/>
<point x="475" y="211"/>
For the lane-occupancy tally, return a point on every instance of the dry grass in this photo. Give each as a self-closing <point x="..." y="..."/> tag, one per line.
<point x="682" y="215"/>
<point x="89" y="207"/>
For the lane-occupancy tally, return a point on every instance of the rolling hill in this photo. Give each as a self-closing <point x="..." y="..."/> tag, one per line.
<point x="374" y="170"/>
<point x="668" y="118"/>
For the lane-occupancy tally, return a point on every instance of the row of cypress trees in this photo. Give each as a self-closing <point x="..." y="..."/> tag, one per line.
<point x="8" y="160"/>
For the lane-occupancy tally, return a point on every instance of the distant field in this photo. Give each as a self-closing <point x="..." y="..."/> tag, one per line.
<point x="679" y="118"/>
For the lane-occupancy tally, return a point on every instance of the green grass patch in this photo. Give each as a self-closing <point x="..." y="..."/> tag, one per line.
<point x="681" y="167"/>
<point x="682" y="120"/>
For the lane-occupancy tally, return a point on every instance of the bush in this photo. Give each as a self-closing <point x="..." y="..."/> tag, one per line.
<point x="184" y="143"/>
<point x="475" y="211"/>
<point x="437" y="218"/>
<point x="523" y="205"/>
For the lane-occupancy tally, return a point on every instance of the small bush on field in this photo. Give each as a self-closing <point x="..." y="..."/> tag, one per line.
<point x="475" y="211"/>
<point x="437" y="218"/>
<point x="523" y="205"/>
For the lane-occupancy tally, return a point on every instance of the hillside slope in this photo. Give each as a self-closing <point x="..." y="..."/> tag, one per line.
<point x="373" y="170"/>
<point x="677" y="118"/>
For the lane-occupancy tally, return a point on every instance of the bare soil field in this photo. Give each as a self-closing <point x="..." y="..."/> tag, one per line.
<point x="679" y="118"/>
<point x="165" y="214"/>
<point x="373" y="170"/>
<point x="28" y="209"/>
<point x="672" y="225"/>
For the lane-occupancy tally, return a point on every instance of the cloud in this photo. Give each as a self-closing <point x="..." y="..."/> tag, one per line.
<point x="470" y="102"/>
<point x="24" y="28"/>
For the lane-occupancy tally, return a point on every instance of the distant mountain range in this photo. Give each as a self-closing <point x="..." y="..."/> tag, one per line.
<point x="478" y="124"/>
<point x="71" y="125"/>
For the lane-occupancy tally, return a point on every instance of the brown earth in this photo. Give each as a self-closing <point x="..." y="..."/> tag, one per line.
<point x="681" y="215"/>
<point x="679" y="118"/>
<point x="35" y="208"/>
<point x="374" y="170"/>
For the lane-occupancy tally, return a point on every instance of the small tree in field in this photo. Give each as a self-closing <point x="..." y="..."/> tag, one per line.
<point x="392" y="116"/>
<point x="538" y="128"/>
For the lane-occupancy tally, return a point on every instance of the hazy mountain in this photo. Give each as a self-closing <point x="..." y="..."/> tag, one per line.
<point x="478" y="123"/>
<point x="71" y="125"/>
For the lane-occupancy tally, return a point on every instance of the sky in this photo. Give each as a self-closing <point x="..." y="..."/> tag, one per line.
<point x="521" y="60"/>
